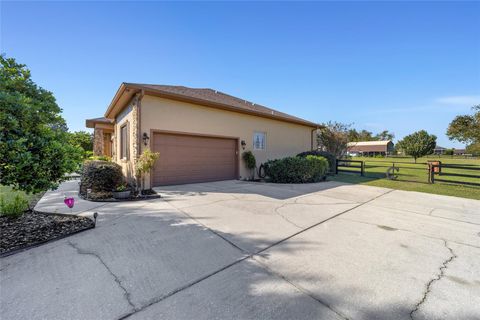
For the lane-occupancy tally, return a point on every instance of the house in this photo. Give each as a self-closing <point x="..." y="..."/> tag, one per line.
<point x="370" y="148"/>
<point x="439" y="150"/>
<point x="459" y="152"/>
<point x="199" y="133"/>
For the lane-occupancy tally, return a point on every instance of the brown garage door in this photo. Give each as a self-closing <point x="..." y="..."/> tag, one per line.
<point x="189" y="159"/>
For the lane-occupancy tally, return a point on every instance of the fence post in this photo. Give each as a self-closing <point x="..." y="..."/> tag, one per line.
<point x="361" y="173"/>
<point x="431" y="173"/>
<point x="336" y="166"/>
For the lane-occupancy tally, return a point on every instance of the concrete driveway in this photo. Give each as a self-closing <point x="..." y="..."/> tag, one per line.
<point x="238" y="250"/>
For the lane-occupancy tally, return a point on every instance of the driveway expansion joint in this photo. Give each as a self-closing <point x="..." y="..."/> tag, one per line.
<point x="248" y="256"/>
<point x="301" y="289"/>
<point x="126" y="294"/>
<point x="441" y="274"/>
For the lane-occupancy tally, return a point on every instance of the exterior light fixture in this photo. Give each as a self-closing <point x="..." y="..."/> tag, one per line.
<point x="244" y="144"/>
<point x="145" y="138"/>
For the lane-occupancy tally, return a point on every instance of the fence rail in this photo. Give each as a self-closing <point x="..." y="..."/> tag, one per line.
<point x="340" y="163"/>
<point x="433" y="171"/>
<point x="436" y="169"/>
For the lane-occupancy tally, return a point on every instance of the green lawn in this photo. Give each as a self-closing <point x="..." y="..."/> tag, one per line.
<point x="8" y="194"/>
<point x="414" y="176"/>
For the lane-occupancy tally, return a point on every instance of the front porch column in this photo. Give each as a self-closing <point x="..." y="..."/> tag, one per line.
<point x="98" y="142"/>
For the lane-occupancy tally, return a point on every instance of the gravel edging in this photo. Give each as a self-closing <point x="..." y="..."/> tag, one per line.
<point x="36" y="228"/>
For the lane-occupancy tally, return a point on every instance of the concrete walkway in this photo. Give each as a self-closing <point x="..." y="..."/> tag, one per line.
<point x="52" y="201"/>
<point x="237" y="250"/>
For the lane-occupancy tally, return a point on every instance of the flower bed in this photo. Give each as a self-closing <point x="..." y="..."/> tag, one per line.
<point x="34" y="228"/>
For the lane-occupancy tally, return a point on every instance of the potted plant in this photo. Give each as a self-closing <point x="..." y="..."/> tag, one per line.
<point x="122" y="191"/>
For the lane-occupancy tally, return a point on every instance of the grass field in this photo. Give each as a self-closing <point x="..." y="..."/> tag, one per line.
<point x="414" y="176"/>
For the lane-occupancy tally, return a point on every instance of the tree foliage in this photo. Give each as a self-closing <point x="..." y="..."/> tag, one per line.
<point x="333" y="137"/>
<point x="145" y="163"/>
<point x="365" y="135"/>
<point x="418" y="144"/>
<point x="385" y="135"/>
<point x="466" y="129"/>
<point x="82" y="139"/>
<point x="250" y="162"/>
<point x="35" y="153"/>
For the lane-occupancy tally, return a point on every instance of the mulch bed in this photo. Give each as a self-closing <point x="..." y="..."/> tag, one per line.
<point x="34" y="228"/>
<point x="107" y="196"/>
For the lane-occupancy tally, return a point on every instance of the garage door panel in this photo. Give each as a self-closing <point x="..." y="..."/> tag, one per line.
<point x="189" y="159"/>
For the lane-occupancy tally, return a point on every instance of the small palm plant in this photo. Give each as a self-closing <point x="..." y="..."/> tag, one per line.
<point x="145" y="164"/>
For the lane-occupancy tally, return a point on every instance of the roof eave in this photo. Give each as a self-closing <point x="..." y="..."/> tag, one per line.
<point x="113" y="108"/>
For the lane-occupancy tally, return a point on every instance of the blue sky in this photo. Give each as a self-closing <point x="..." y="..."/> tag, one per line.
<point x="380" y="65"/>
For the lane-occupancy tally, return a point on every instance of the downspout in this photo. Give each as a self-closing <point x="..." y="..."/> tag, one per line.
<point x="311" y="137"/>
<point x="140" y="95"/>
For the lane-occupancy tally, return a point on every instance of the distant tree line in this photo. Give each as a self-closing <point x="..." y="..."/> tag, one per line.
<point x="365" y="135"/>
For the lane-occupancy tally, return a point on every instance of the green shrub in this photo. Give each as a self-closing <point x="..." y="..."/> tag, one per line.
<point x="250" y="162"/>
<point x="145" y="164"/>
<point x="102" y="177"/>
<point x="249" y="159"/>
<point x="297" y="169"/>
<point x="15" y="207"/>
<point x="332" y="160"/>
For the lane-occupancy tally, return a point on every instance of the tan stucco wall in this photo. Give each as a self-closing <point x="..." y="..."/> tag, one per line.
<point x="282" y="138"/>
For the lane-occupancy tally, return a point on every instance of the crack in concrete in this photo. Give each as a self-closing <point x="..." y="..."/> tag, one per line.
<point x="207" y="228"/>
<point x="423" y="214"/>
<point x="410" y="231"/>
<point x="285" y="218"/>
<point x="126" y="294"/>
<point x="441" y="274"/>
<point x="186" y="286"/>
<point x="301" y="289"/>
<point x="249" y="256"/>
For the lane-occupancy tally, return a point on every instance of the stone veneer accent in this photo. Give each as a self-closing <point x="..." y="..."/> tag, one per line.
<point x="98" y="142"/>
<point x="134" y="128"/>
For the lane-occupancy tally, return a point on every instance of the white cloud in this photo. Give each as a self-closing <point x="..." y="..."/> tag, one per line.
<point x="459" y="100"/>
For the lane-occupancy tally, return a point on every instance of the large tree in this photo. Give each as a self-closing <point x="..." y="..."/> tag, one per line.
<point x="466" y="129"/>
<point x="418" y="144"/>
<point x="35" y="153"/>
<point x="333" y="137"/>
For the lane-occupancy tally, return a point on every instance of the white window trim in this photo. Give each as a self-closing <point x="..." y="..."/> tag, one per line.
<point x="264" y="140"/>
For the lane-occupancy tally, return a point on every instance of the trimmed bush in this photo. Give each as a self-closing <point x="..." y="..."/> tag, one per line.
<point x="297" y="169"/>
<point x="102" y="177"/>
<point x="327" y="155"/>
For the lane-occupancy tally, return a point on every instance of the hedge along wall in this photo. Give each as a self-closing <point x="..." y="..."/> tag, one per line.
<point x="332" y="160"/>
<point x="297" y="169"/>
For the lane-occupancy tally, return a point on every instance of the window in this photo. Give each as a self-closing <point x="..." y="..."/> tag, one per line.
<point x="124" y="154"/>
<point x="259" y="141"/>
